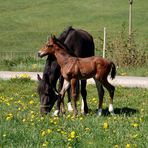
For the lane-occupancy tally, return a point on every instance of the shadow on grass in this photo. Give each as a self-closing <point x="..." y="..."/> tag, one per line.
<point x="121" y="111"/>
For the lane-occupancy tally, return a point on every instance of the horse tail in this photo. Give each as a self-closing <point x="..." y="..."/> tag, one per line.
<point x="113" y="70"/>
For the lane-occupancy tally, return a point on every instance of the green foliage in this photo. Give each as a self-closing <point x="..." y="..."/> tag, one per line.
<point x="22" y="126"/>
<point x="124" y="50"/>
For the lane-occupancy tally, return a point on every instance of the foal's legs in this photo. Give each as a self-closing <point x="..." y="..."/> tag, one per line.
<point x="111" y="90"/>
<point x="74" y="95"/>
<point x="100" y="91"/>
<point x="66" y="85"/>
<point x="84" y="107"/>
<point x="69" y="100"/>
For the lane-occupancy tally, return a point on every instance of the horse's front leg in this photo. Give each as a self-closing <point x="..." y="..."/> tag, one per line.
<point x="57" y="111"/>
<point x="74" y="96"/>
<point x="69" y="105"/>
<point x="66" y="85"/>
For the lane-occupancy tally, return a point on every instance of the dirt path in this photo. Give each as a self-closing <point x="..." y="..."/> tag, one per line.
<point x="124" y="81"/>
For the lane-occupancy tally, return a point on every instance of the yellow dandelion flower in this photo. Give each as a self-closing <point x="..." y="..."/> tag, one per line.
<point x="142" y="110"/>
<point x="45" y="144"/>
<point x="69" y="139"/>
<point x="94" y="99"/>
<point x="68" y="116"/>
<point x="9" y="116"/>
<point x="32" y="112"/>
<point x="49" y="131"/>
<point x="116" y="146"/>
<point x="135" y="124"/>
<point x="32" y="116"/>
<point x="31" y="102"/>
<point x="43" y="133"/>
<point x="141" y="119"/>
<point x="24" y="120"/>
<point x="73" y="134"/>
<point x="128" y="146"/>
<point x="105" y="125"/>
<point x="8" y="104"/>
<point x="24" y="76"/>
<point x="54" y="122"/>
<point x="58" y="130"/>
<point x="19" y="109"/>
<point x="63" y="132"/>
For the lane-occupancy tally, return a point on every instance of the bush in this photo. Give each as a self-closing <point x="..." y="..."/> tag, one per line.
<point x="124" y="51"/>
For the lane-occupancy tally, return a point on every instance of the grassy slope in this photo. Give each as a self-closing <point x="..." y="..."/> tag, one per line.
<point x="22" y="126"/>
<point x="24" y="25"/>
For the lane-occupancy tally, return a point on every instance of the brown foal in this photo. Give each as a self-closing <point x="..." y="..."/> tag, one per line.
<point x="73" y="68"/>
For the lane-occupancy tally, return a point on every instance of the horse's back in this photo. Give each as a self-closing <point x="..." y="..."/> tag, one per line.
<point x="81" y="42"/>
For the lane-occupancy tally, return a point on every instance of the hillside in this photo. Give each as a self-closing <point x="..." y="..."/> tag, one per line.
<point x="25" y="24"/>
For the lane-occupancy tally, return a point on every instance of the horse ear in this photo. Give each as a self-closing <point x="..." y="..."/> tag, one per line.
<point x="48" y="37"/>
<point x="38" y="77"/>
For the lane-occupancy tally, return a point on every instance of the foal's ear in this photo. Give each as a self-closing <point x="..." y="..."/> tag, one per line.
<point x="53" y="37"/>
<point x="38" y="77"/>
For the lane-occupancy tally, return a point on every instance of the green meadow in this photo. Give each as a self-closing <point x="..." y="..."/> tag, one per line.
<point x="21" y="125"/>
<point x="25" y="24"/>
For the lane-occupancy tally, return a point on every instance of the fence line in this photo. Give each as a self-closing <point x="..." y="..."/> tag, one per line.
<point x="8" y="55"/>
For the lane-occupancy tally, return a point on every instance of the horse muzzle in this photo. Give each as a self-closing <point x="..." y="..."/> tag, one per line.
<point x="40" y="54"/>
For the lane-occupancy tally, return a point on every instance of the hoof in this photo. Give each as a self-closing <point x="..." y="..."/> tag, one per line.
<point x="56" y="113"/>
<point x="99" y="113"/>
<point x="112" y="113"/>
<point x="70" y="109"/>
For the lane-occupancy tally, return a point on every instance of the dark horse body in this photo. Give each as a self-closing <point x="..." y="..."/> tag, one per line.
<point x="73" y="68"/>
<point x="82" y="45"/>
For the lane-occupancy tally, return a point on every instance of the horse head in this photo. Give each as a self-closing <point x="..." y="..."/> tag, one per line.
<point x="48" y="48"/>
<point x="47" y="94"/>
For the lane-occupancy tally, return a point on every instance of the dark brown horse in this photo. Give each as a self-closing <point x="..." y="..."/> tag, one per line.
<point x="73" y="68"/>
<point x="79" y="43"/>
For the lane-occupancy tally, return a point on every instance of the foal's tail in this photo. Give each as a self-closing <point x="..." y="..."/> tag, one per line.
<point x="113" y="70"/>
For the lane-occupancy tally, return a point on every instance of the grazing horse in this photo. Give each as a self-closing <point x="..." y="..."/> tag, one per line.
<point x="81" y="44"/>
<point x="73" y="68"/>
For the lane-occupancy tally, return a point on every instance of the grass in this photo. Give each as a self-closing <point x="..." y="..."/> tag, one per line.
<point x="25" y="24"/>
<point x="22" y="126"/>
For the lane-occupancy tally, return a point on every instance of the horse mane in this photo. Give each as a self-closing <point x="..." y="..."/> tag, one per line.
<point x="62" y="45"/>
<point x="65" y="33"/>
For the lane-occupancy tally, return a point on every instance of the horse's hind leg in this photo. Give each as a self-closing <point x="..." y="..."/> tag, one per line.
<point x="74" y="96"/>
<point x="111" y="90"/>
<point x="69" y="100"/>
<point x="84" y="107"/>
<point x="100" y="91"/>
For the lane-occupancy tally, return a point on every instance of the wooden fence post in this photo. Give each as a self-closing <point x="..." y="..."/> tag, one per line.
<point x="130" y="17"/>
<point x="104" y="43"/>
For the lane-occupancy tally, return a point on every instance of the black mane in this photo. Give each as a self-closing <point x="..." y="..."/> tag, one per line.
<point x="62" y="45"/>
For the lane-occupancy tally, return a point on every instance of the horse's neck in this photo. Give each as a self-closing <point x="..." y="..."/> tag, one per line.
<point x="62" y="57"/>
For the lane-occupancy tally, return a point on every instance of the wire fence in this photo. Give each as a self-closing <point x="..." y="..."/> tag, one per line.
<point x="21" y="61"/>
<point x="8" y="55"/>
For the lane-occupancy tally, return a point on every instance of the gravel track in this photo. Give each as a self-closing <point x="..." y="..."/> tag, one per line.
<point x="123" y="81"/>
